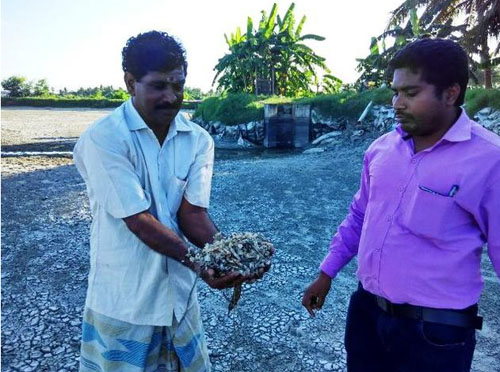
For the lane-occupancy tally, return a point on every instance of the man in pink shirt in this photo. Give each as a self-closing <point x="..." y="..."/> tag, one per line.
<point x="428" y="202"/>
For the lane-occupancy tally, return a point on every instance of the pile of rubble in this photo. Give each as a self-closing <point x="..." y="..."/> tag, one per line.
<point x="489" y="118"/>
<point x="328" y="131"/>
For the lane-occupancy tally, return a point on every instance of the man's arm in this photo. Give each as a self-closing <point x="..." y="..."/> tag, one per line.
<point x="343" y="247"/>
<point x="163" y="240"/>
<point x="195" y="223"/>
<point x="156" y="235"/>
<point x="344" y="244"/>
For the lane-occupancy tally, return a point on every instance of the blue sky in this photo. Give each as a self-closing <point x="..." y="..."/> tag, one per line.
<point x="77" y="43"/>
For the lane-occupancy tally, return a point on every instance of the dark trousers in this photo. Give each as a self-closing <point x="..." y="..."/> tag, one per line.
<point x="377" y="341"/>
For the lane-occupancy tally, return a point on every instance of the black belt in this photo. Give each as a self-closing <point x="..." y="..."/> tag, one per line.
<point x="466" y="318"/>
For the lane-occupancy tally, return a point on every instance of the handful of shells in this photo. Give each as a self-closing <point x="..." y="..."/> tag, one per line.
<point x="245" y="253"/>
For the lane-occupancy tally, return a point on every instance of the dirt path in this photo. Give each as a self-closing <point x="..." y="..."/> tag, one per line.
<point x="295" y="200"/>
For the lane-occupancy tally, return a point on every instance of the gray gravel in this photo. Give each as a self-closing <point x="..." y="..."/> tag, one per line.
<point x="293" y="199"/>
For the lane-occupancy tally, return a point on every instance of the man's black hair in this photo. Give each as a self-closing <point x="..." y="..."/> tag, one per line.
<point x="441" y="62"/>
<point x="152" y="51"/>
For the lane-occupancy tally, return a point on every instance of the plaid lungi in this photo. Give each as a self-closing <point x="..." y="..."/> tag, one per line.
<point x="112" y="345"/>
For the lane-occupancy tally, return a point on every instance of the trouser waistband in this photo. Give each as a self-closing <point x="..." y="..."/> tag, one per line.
<point x="466" y="318"/>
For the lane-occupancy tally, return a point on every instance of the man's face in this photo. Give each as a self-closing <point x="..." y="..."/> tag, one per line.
<point x="416" y="105"/>
<point x="157" y="96"/>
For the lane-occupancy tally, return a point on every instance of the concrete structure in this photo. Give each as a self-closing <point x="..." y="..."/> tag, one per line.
<point x="287" y="125"/>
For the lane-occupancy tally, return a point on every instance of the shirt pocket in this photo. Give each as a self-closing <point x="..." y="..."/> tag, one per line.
<point x="430" y="215"/>
<point x="175" y="192"/>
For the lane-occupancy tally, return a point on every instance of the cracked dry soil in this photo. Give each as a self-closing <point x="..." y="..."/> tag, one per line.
<point x="295" y="200"/>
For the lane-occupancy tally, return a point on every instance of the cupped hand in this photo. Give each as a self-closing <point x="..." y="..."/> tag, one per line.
<point x="221" y="282"/>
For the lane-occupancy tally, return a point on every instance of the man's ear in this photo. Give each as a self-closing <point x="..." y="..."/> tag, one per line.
<point x="130" y="83"/>
<point x="451" y="94"/>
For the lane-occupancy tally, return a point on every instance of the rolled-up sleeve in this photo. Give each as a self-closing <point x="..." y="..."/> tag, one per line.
<point x="105" y="165"/>
<point x="199" y="179"/>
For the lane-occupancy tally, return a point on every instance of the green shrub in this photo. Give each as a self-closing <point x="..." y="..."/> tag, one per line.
<point x="479" y="98"/>
<point x="383" y="96"/>
<point x="277" y="99"/>
<point x="326" y="104"/>
<point x="231" y="109"/>
<point x="348" y="103"/>
<point x="207" y="109"/>
<point x="240" y="108"/>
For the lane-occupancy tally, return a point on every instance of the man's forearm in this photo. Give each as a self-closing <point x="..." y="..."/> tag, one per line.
<point x="197" y="227"/>
<point x="156" y="235"/>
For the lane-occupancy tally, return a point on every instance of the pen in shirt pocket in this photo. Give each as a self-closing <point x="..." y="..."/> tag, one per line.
<point x="454" y="189"/>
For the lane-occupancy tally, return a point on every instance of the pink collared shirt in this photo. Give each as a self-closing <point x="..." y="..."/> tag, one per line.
<point x="419" y="222"/>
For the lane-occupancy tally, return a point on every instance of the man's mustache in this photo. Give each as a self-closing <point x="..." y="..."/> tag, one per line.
<point x="169" y="106"/>
<point x="402" y="115"/>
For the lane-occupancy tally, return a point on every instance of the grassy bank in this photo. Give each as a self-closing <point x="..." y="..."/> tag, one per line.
<point x="479" y="98"/>
<point x="231" y="109"/>
<point x="73" y="102"/>
<point x="242" y="108"/>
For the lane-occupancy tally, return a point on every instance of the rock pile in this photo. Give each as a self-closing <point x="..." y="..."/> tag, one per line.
<point x="383" y="119"/>
<point x="252" y="131"/>
<point x="329" y="131"/>
<point x="322" y="124"/>
<point x="489" y="118"/>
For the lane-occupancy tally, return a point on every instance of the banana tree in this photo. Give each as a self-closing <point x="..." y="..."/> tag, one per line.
<point x="296" y="64"/>
<point x="275" y="52"/>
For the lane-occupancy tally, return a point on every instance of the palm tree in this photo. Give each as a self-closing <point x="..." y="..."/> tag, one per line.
<point x="374" y="67"/>
<point x="481" y="21"/>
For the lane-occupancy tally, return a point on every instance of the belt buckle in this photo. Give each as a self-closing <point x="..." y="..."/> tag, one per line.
<point x="385" y="305"/>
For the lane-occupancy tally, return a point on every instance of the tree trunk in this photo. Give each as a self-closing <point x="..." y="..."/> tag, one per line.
<point x="486" y="63"/>
<point x="245" y="83"/>
<point x="256" y="82"/>
<point x="488" y="83"/>
<point x="272" y="81"/>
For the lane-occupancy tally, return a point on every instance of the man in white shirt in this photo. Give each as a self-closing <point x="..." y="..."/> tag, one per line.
<point x="148" y="173"/>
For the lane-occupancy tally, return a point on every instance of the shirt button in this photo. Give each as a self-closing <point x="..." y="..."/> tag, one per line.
<point x="401" y="188"/>
<point x="389" y="218"/>
<point x="413" y="161"/>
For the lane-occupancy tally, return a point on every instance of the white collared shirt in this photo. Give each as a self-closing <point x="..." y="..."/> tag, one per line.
<point x="127" y="172"/>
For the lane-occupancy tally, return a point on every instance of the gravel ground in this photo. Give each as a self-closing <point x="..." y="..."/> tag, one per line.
<point x="295" y="200"/>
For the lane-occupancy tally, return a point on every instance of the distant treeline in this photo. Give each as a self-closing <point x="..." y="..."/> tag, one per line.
<point x="75" y="102"/>
<point x="18" y="91"/>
